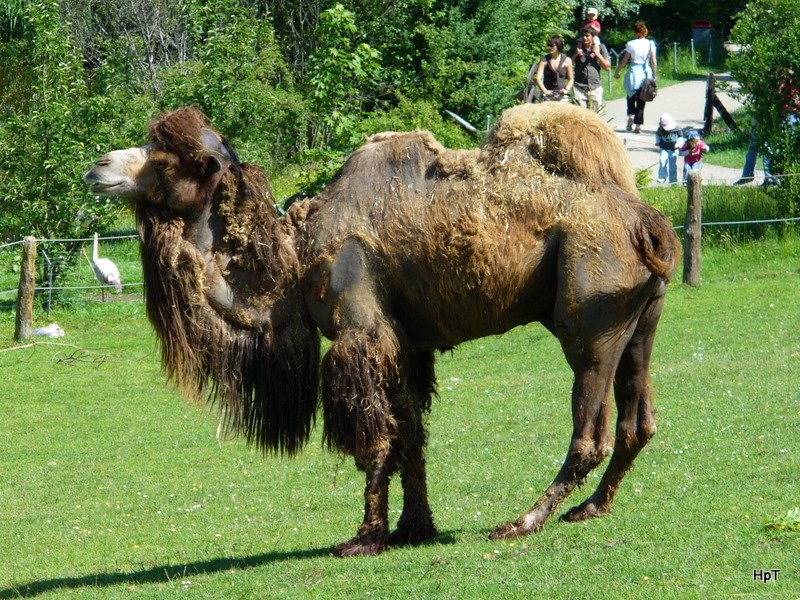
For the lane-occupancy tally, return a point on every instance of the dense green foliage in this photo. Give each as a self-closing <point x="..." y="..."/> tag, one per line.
<point x="769" y="73"/>
<point x="40" y="193"/>
<point x="296" y="85"/>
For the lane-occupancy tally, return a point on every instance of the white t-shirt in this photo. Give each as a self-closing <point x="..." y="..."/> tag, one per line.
<point x="639" y="50"/>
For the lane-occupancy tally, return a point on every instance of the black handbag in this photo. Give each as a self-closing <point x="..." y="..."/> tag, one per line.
<point x="648" y="91"/>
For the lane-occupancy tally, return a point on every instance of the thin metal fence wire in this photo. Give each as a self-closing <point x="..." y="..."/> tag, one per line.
<point x="140" y="284"/>
<point x="8" y="245"/>
<point x="59" y="240"/>
<point x="111" y="237"/>
<point x="754" y="222"/>
<point x="65" y="240"/>
<point x="726" y="180"/>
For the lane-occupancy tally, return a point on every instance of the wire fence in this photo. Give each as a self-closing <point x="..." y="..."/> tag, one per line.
<point x="752" y="222"/>
<point x="730" y="180"/>
<point x="139" y="284"/>
<point x="42" y="251"/>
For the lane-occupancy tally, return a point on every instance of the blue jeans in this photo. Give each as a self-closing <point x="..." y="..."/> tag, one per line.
<point x="693" y="167"/>
<point x="668" y="165"/>
<point x="749" y="170"/>
<point x="791" y="121"/>
<point x="750" y="158"/>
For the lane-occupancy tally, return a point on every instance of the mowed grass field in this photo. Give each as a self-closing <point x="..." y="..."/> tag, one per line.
<point x="112" y="486"/>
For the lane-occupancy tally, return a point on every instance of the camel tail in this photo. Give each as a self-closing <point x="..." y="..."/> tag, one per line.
<point x="656" y="242"/>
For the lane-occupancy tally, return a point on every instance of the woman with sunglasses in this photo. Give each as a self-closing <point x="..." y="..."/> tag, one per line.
<point x="554" y="75"/>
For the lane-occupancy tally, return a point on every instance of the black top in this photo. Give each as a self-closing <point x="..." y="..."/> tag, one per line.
<point x="555" y="79"/>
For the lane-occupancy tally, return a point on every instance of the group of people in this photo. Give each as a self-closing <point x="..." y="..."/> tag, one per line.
<point x="558" y="74"/>
<point x="578" y="72"/>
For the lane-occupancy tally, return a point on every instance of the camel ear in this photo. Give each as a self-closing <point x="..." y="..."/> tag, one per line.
<point x="216" y="151"/>
<point x="213" y="165"/>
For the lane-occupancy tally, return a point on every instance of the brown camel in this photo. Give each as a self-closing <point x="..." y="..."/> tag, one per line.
<point x="412" y="248"/>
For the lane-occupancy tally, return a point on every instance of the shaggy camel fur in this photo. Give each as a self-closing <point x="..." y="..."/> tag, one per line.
<point x="411" y="248"/>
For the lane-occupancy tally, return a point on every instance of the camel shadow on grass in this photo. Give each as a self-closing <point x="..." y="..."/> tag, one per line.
<point x="177" y="572"/>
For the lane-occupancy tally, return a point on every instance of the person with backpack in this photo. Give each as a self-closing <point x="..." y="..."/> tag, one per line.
<point x="554" y="75"/>
<point x="589" y="59"/>
<point x="640" y="56"/>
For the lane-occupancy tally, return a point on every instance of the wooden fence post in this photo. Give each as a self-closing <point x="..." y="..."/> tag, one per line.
<point x="708" y="117"/>
<point x="27" y="287"/>
<point x="712" y="102"/>
<point x="692" y="232"/>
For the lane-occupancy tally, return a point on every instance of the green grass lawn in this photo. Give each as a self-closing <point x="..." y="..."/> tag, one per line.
<point x="114" y="487"/>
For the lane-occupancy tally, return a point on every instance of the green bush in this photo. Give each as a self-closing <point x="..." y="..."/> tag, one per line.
<point x="43" y="144"/>
<point x="410" y="115"/>
<point x="769" y="74"/>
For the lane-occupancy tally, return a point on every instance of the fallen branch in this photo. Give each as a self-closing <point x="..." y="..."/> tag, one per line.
<point x="83" y="356"/>
<point x="32" y="344"/>
<point x="79" y="355"/>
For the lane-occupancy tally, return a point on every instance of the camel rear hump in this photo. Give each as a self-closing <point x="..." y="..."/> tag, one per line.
<point x="568" y="140"/>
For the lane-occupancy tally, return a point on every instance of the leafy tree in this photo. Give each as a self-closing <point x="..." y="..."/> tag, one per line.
<point x="343" y="75"/>
<point x="478" y="52"/>
<point x="769" y="75"/>
<point x="409" y="115"/>
<point x="236" y="74"/>
<point x="12" y="14"/>
<point x="138" y="38"/>
<point x="44" y="141"/>
<point x="672" y="19"/>
<point x="43" y="148"/>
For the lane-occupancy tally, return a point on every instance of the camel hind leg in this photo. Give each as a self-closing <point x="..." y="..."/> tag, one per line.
<point x="635" y="419"/>
<point x="593" y="359"/>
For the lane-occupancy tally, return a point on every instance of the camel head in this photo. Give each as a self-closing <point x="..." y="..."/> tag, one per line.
<point x="177" y="169"/>
<point x="187" y="182"/>
<point x="220" y="273"/>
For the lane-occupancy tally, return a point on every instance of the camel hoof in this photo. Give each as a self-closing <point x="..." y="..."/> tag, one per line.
<point x="412" y="536"/>
<point x="507" y="531"/>
<point x="583" y="512"/>
<point x="359" y="547"/>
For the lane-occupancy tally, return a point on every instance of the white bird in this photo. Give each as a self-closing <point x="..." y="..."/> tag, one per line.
<point x="105" y="271"/>
<point x="51" y="331"/>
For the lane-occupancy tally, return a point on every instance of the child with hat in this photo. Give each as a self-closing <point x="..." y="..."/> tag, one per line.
<point x="667" y="136"/>
<point x="591" y="21"/>
<point x="692" y="151"/>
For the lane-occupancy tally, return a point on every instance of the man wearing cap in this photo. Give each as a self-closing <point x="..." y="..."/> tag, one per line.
<point x="588" y="59"/>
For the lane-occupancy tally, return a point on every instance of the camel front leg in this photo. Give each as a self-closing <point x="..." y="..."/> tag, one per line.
<point x="372" y="536"/>
<point x="411" y="401"/>
<point x="415" y="525"/>
<point x="359" y="371"/>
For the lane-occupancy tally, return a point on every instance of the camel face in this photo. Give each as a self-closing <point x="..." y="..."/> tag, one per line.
<point x="120" y="173"/>
<point x="156" y="175"/>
